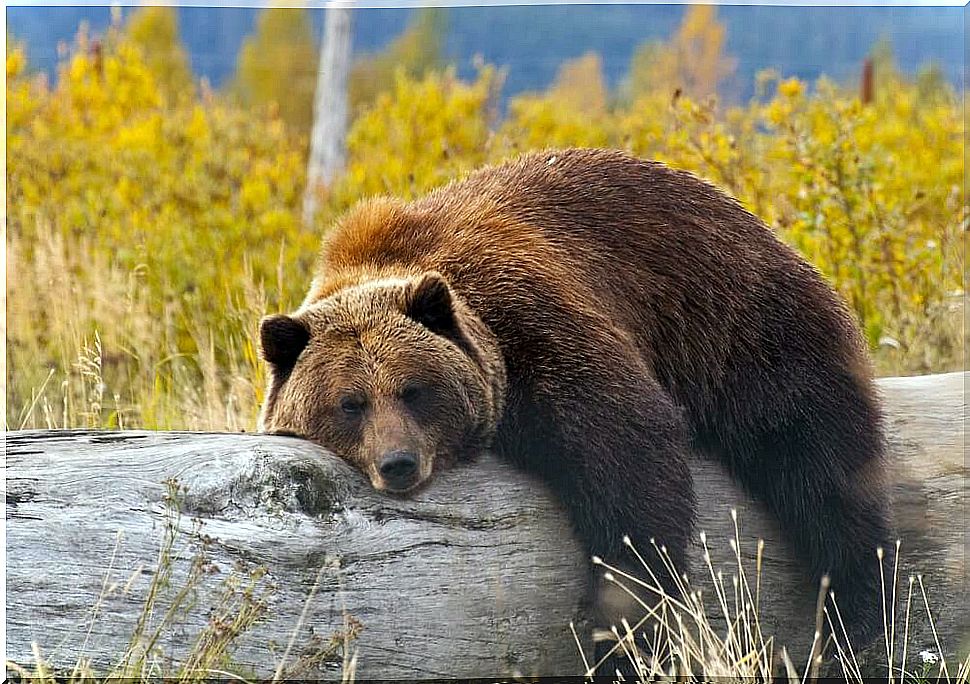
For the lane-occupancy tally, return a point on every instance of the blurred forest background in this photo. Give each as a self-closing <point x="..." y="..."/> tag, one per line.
<point x="153" y="217"/>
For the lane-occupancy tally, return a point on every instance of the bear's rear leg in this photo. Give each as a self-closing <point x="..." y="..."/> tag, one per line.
<point x="820" y="470"/>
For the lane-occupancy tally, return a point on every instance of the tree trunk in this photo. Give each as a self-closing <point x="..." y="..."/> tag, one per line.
<point x="476" y="576"/>
<point x="329" y="108"/>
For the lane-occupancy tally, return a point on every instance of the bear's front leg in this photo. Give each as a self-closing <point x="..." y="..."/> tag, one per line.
<point x="614" y="446"/>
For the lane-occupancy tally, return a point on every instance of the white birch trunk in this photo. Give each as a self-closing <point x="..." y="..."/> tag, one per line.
<point x="327" y="151"/>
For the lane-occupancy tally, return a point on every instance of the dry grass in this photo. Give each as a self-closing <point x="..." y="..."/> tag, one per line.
<point x="86" y="349"/>
<point x="680" y="639"/>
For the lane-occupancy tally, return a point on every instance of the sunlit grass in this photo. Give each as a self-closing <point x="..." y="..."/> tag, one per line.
<point x="87" y="349"/>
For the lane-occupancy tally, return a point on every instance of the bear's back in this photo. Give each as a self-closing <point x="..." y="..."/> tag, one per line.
<point x="653" y="254"/>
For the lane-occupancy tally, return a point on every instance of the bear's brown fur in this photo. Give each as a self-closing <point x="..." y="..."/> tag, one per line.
<point x="593" y="317"/>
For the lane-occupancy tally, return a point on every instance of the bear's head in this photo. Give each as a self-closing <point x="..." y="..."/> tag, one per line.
<point x="396" y="376"/>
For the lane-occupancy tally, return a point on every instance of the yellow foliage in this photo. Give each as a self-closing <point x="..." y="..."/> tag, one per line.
<point x="873" y="196"/>
<point x="415" y="52"/>
<point x="693" y="62"/>
<point x="580" y="85"/>
<point x="277" y="66"/>
<point x="791" y="87"/>
<point x="15" y="62"/>
<point x="420" y="135"/>
<point x="119" y="197"/>
<point x="154" y="29"/>
<point x="538" y="122"/>
<point x="572" y="113"/>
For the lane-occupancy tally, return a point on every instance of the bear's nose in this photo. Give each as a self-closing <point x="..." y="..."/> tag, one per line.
<point x="399" y="469"/>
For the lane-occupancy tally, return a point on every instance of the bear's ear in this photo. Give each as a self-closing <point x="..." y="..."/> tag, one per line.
<point x="429" y="303"/>
<point x="282" y="339"/>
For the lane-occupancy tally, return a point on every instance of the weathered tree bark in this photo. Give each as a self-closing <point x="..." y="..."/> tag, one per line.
<point x="477" y="576"/>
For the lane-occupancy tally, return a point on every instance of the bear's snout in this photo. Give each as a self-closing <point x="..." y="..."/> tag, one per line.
<point x="399" y="469"/>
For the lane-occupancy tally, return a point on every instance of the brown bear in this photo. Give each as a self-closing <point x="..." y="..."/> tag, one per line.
<point x="593" y="317"/>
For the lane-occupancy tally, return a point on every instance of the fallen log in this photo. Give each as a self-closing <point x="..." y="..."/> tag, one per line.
<point x="477" y="576"/>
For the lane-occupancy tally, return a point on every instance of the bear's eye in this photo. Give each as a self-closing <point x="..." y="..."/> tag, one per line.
<point x="352" y="406"/>
<point x="413" y="393"/>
